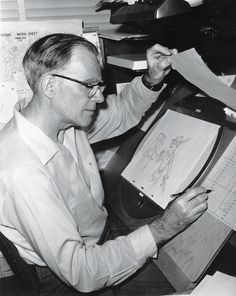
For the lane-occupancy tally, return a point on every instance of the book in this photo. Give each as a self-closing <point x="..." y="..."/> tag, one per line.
<point x="131" y="61"/>
<point x="171" y="156"/>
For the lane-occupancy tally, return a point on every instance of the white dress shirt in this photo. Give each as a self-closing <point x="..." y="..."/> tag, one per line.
<point x="51" y="197"/>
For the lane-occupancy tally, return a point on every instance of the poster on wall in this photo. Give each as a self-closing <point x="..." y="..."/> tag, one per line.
<point x="16" y="37"/>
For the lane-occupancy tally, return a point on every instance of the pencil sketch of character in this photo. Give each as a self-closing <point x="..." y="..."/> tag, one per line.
<point x="164" y="161"/>
<point x="153" y="152"/>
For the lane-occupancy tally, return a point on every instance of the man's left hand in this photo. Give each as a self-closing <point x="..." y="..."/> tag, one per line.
<point x="159" y="64"/>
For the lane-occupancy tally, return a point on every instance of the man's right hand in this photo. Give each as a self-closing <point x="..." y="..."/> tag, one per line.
<point x="179" y="214"/>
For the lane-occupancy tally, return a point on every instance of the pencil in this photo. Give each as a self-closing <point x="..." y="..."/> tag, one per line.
<point x="175" y="195"/>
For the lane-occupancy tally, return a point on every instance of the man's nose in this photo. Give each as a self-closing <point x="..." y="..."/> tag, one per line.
<point x="98" y="97"/>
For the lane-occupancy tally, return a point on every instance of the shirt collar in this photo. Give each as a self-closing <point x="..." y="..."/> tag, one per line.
<point x="34" y="137"/>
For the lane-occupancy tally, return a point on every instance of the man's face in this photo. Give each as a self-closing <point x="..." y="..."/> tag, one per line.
<point x="74" y="103"/>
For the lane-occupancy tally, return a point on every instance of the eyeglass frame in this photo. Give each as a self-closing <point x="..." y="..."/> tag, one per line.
<point x="100" y="84"/>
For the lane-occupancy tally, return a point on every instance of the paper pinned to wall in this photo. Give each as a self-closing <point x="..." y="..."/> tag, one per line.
<point x="16" y="37"/>
<point x="191" y="66"/>
<point x="8" y="99"/>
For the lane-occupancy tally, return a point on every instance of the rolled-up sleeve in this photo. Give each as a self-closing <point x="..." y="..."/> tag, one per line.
<point x="50" y="230"/>
<point x="122" y="111"/>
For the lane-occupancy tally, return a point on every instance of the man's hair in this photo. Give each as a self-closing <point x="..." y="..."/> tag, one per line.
<point x="51" y="52"/>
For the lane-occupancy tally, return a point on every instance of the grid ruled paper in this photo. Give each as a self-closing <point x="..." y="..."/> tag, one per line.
<point x="222" y="181"/>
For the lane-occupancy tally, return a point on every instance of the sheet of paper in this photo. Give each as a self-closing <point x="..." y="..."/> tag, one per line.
<point x="197" y="290"/>
<point x="222" y="180"/>
<point x="8" y="99"/>
<point x="191" y="66"/>
<point x="170" y="156"/>
<point x="16" y="37"/>
<point x="219" y="284"/>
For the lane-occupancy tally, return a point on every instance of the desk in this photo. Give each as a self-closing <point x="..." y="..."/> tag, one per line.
<point x="186" y="257"/>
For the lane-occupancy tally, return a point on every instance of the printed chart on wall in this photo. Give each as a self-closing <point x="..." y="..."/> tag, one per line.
<point x="16" y="37"/>
<point x="171" y="155"/>
<point x="8" y="99"/>
<point x="222" y="181"/>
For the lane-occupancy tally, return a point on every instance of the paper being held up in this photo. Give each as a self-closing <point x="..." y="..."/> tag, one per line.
<point x="191" y="66"/>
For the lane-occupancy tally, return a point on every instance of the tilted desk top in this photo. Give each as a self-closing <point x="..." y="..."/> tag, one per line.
<point x="185" y="258"/>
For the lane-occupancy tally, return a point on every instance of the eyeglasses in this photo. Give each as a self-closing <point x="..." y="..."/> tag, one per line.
<point x="94" y="87"/>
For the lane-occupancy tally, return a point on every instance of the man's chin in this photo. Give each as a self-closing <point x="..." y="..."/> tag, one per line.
<point x="88" y="123"/>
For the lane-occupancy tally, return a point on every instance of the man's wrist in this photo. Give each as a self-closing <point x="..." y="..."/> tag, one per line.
<point x="160" y="234"/>
<point x="155" y="87"/>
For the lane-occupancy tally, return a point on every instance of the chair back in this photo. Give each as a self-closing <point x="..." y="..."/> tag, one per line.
<point x="25" y="274"/>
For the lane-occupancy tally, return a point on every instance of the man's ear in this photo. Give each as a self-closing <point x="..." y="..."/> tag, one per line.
<point x="48" y="86"/>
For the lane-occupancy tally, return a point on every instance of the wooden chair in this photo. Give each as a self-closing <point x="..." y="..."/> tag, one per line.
<point x="25" y="274"/>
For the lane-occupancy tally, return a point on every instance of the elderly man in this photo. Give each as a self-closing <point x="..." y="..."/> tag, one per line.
<point x="51" y="199"/>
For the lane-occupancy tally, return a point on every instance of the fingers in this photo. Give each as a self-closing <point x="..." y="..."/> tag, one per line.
<point x="198" y="205"/>
<point x="158" y="59"/>
<point x="174" y="51"/>
<point x="160" y="53"/>
<point x="159" y="62"/>
<point x="200" y="208"/>
<point x="193" y="192"/>
<point x="158" y="50"/>
<point x="194" y="201"/>
<point x="184" y="210"/>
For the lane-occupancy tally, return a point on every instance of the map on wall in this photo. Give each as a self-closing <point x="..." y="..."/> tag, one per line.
<point x="16" y="37"/>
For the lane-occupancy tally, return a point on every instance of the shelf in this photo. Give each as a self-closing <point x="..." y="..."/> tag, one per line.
<point x="131" y="61"/>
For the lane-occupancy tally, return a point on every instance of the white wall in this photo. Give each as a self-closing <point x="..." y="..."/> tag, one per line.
<point x="55" y="9"/>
